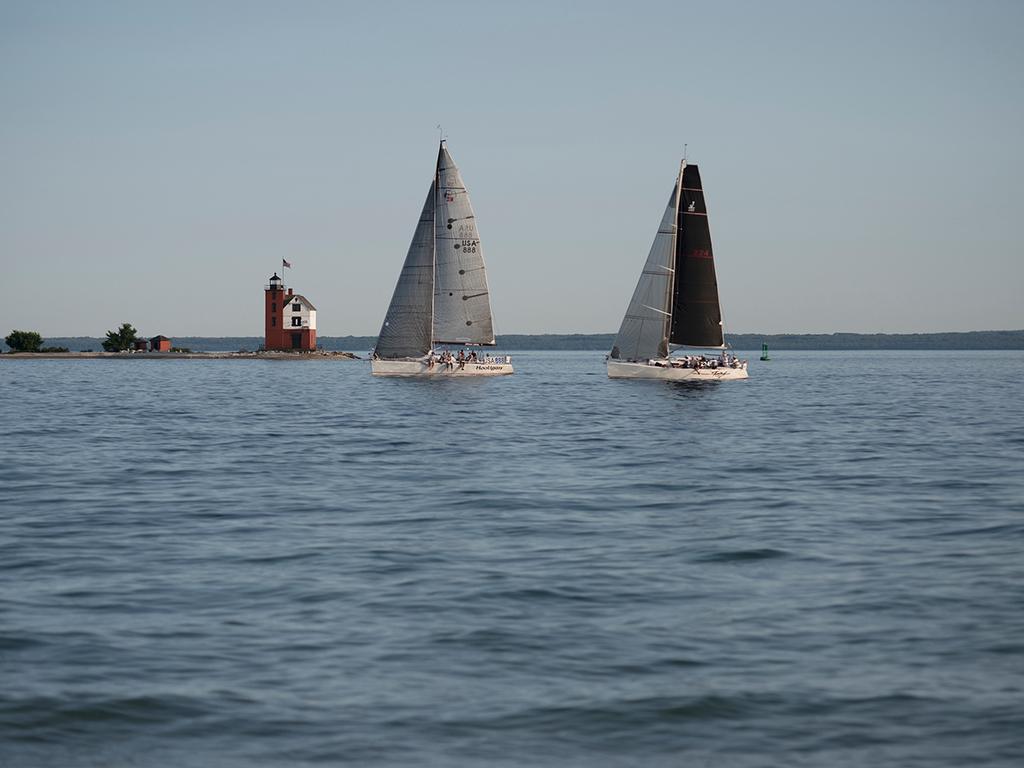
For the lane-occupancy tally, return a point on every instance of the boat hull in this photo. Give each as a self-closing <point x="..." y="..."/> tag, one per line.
<point x="419" y="368"/>
<point x="620" y="369"/>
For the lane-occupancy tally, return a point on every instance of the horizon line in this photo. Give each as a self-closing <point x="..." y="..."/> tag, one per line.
<point x="579" y="333"/>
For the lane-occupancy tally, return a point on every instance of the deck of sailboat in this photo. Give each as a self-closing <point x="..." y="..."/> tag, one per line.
<point x="663" y="370"/>
<point x="421" y="369"/>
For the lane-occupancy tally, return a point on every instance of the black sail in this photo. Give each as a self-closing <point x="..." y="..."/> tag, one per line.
<point x="696" y="313"/>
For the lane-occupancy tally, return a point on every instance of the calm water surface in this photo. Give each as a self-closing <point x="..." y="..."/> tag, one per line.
<point x="260" y="563"/>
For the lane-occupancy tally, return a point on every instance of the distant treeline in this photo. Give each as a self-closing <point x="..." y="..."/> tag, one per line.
<point x="795" y="341"/>
<point x="603" y="341"/>
<point x="837" y="341"/>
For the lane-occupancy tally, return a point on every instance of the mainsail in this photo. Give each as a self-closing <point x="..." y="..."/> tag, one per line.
<point x="696" y="312"/>
<point x="645" y="328"/>
<point x="407" y="326"/>
<point x="462" y="306"/>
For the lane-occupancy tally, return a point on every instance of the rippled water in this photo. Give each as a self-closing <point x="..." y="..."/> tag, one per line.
<point x="236" y="563"/>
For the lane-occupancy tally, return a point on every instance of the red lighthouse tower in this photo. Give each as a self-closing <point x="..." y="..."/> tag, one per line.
<point x="290" y="318"/>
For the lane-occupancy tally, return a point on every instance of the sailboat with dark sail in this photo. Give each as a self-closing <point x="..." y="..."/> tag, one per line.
<point x="675" y="303"/>
<point x="441" y="299"/>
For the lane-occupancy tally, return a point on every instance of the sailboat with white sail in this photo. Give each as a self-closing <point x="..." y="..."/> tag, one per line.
<point x="441" y="299"/>
<point x="675" y="303"/>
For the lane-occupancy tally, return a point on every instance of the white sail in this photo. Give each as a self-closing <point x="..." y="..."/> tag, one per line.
<point x="462" y="305"/>
<point x="645" y="328"/>
<point x="407" y="326"/>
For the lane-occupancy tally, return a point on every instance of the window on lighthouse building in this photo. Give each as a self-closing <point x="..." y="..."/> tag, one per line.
<point x="296" y="321"/>
<point x="296" y="307"/>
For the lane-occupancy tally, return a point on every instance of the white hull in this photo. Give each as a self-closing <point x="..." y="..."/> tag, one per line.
<point x="420" y="368"/>
<point x="619" y="369"/>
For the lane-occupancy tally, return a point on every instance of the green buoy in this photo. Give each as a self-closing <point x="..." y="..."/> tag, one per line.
<point x="764" y="351"/>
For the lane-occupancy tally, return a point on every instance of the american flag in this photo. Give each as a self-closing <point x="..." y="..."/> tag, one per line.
<point x="285" y="263"/>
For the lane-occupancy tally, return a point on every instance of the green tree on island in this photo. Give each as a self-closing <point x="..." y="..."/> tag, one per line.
<point x="24" y="341"/>
<point x="120" y="340"/>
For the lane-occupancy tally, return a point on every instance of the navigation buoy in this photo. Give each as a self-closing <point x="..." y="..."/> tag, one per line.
<point x="764" y="351"/>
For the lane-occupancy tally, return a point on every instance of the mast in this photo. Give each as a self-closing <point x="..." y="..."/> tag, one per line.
<point x="671" y="291"/>
<point x="433" y="237"/>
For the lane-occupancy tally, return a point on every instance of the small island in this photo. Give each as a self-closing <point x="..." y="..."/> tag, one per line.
<point x="123" y="344"/>
<point x="291" y="340"/>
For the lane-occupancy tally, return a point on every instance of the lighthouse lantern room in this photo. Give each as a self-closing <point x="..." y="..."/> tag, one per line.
<point x="290" y="318"/>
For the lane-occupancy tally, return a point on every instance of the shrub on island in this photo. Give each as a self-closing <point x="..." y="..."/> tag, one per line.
<point x="24" y="341"/>
<point x="120" y="340"/>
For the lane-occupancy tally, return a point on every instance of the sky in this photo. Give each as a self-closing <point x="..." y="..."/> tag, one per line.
<point x="862" y="161"/>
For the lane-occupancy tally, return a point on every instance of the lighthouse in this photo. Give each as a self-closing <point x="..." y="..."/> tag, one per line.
<point x="290" y="318"/>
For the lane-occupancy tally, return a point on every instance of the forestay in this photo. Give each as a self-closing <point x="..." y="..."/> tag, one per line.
<point x="462" y="306"/>
<point x="644" y="331"/>
<point x="407" y="326"/>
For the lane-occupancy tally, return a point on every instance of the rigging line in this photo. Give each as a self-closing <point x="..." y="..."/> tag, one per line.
<point x="659" y="311"/>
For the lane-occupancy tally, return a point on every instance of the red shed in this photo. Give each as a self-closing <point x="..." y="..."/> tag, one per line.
<point x="160" y="344"/>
